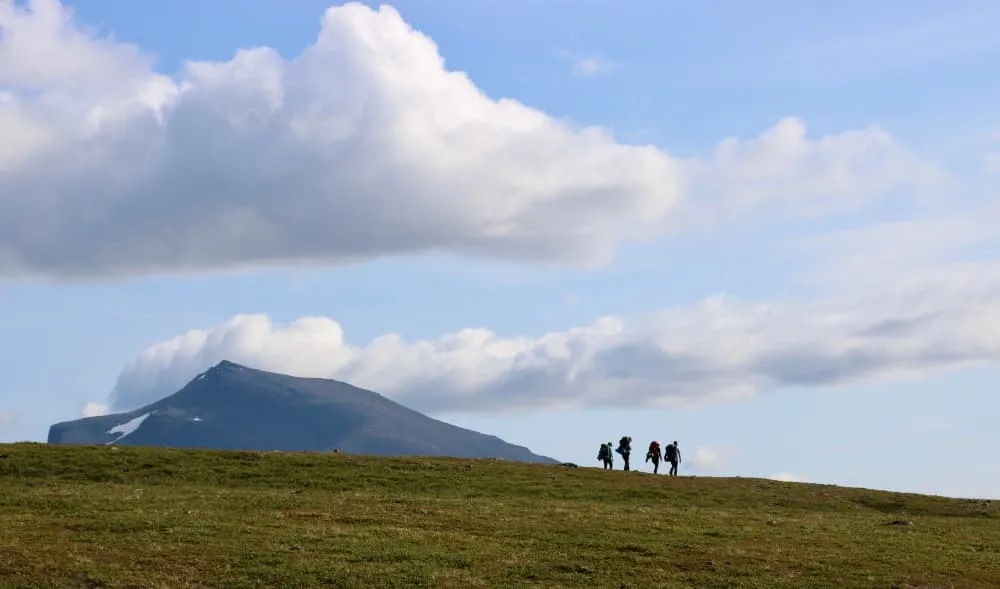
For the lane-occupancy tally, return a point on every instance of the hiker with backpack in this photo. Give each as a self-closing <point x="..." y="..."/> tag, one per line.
<point x="653" y="453"/>
<point x="606" y="456"/>
<point x="672" y="454"/>
<point x="625" y="449"/>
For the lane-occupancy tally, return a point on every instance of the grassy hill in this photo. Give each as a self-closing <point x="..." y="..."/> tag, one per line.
<point x="145" y="517"/>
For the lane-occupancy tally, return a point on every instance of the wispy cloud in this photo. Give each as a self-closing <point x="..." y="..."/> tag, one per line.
<point x="592" y="66"/>
<point x="587" y="65"/>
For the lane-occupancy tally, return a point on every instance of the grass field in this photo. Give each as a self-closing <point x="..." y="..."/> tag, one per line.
<point x="145" y="517"/>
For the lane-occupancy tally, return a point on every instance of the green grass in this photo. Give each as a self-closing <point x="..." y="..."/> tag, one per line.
<point x="146" y="517"/>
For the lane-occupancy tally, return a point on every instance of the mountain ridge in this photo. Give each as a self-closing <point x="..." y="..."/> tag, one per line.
<point x="232" y="406"/>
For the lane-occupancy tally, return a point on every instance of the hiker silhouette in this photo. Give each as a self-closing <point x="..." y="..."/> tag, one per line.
<point x="625" y="449"/>
<point x="606" y="456"/>
<point x="672" y="454"/>
<point x="653" y="453"/>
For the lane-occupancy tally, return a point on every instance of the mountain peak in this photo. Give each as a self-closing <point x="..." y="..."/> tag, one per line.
<point x="231" y="406"/>
<point x="225" y="368"/>
<point x="228" y="364"/>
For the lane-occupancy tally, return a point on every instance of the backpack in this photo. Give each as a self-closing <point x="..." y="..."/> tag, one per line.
<point x="604" y="452"/>
<point x="670" y="453"/>
<point x="654" y="448"/>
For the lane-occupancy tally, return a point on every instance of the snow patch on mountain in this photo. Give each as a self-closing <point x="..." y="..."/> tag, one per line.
<point x="128" y="427"/>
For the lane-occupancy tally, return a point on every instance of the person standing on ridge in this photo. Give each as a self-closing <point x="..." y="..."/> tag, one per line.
<point x="625" y="449"/>
<point x="672" y="454"/>
<point x="606" y="456"/>
<point x="653" y="453"/>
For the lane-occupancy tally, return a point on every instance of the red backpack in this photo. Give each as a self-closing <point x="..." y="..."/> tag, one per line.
<point x="654" y="448"/>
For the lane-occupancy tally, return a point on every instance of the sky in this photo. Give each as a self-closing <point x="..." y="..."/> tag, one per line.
<point x="766" y="231"/>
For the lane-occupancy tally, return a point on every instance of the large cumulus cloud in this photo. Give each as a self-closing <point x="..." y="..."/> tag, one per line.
<point x="363" y="145"/>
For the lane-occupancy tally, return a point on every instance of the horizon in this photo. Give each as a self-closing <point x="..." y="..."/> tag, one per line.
<point x="643" y="467"/>
<point x="767" y="233"/>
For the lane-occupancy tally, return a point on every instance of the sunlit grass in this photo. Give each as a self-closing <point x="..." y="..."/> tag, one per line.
<point x="148" y="517"/>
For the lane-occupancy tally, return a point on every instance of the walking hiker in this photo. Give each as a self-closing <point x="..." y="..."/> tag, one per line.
<point x="606" y="456"/>
<point x="653" y="453"/>
<point x="625" y="449"/>
<point x="672" y="454"/>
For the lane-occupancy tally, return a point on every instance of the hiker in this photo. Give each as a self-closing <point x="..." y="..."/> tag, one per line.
<point x="653" y="453"/>
<point x="606" y="456"/>
<point x="625" y="449"/>
<point x="672" y="454"/>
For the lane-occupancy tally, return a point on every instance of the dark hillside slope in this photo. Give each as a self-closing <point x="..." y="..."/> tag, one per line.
<point x="236" y="407"/>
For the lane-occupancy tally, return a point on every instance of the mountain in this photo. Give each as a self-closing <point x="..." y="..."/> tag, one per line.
<point x="235" y="407"/>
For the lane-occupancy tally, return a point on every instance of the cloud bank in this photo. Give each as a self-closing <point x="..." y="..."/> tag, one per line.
<point x="364" y="145"/>
<point x="925" y="308"/>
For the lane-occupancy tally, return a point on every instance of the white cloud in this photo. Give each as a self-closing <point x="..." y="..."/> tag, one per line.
<point x="6" y="419"/>
<point x="586" y="65"/>
<point x="709" y="459"/>
<point x="784" y="169"/>
<point x="364" y="145"/>
<point x="94" y="409"/>
<point x="591" y="66"/>
<point x="787" y="477"/>
<point x="932" y="301"/>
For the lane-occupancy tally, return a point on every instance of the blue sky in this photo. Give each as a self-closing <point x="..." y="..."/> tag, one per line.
<point x="781" y="252"/>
